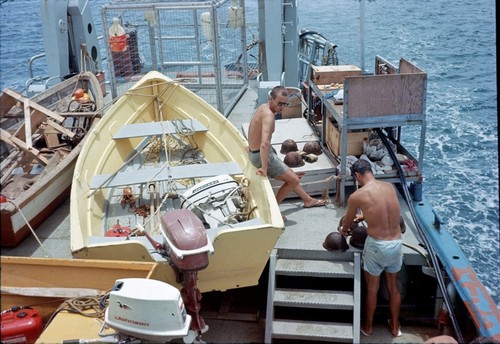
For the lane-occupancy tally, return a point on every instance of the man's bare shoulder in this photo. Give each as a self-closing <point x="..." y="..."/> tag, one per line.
<point x="264" y="111"/>
<point x="357" y="196"/>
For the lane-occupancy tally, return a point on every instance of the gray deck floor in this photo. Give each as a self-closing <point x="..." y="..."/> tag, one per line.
<point x="305" y="230"/>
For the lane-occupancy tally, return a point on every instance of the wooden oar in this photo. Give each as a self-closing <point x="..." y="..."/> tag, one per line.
<point x="50" y="291"/>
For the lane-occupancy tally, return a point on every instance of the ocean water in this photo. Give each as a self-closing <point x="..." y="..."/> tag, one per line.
<point x="455" y="43"/>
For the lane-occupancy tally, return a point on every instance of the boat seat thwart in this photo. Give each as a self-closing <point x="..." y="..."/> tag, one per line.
<point x="159" y="128"/>
<point x="148" y="175"/>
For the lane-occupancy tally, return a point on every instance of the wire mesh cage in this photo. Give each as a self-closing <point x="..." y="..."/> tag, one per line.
<point x="200" y="44"/>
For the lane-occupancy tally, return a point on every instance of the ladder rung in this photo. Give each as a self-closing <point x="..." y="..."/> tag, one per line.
<point x="316" y="331"/>
<point x="315" y="268"/>
<point x="305" y="298"/>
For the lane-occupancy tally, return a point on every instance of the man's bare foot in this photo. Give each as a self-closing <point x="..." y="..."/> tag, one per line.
<point x="395" y="331"/>
<point x="365" y="332"/>
<point x="315" y="203"/>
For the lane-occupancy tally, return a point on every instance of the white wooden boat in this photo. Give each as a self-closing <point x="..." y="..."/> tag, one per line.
<point x="125" y="179"/>
<point x="41" y="139"/>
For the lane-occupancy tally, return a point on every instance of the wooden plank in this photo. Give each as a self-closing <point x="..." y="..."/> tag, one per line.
<point x="385" y="95"/>
<point x="6" y="103"/>
<point x="61" y="129"/>
<point x="14" y="141"/>
<point x="158" y="128"/>
<point x="36" y="119"/>
<point x="81" y="114"/>
<point x="159" y="174"/>
<point x="27" y="124"/>
<point x="50" y="136"/>
<point x="326" y="75"/>
<point x="406" y="66"/>
<point x="50" y="291"/>
<point x="34" y="105"/>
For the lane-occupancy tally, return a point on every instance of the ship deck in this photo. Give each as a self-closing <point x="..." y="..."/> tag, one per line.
<point x="238" y="316"/>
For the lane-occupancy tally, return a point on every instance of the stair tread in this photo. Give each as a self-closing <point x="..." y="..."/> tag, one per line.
<point x="327" y="299"/>
<point x="312" y="330"/>
<point x="318" y="268"/>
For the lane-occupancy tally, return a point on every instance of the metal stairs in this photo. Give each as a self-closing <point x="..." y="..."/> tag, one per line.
<point x="313" y="300"/>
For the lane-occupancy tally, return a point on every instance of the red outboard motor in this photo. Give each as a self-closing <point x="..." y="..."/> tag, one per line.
<point x="188" y="247"/>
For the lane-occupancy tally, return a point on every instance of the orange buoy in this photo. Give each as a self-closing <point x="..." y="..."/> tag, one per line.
<point x="117" y="37"/>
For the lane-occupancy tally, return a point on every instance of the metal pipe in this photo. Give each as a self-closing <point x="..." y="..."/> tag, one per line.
<point x="362" y="33"/>
<point x="30" y="63"/>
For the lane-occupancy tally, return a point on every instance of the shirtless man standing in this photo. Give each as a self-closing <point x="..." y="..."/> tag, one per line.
<point x="261" y="155"/>
<point x="383" y="247"/>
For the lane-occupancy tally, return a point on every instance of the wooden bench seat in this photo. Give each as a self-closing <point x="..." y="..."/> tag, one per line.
<point x="184" y="126"/>
<point x="146" y="175"/>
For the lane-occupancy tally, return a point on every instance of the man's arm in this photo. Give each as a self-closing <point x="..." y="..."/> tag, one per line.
<point x="352" y="208"/>
<point x="267" y="125"/>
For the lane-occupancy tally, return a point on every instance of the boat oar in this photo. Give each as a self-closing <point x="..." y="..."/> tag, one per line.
<point x="50" y="291"/>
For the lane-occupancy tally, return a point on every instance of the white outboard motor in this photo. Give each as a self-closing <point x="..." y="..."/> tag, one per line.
<point x="148" y="309"/>
<point x="215" y="200"/>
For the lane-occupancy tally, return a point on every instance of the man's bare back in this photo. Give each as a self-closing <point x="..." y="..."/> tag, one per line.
<point x="378" y="203"/>
<point x="380" y="207"/>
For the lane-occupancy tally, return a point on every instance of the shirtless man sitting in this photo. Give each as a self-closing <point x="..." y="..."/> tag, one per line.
<point x="262" y="156"/>
<point x="380" y="209"/>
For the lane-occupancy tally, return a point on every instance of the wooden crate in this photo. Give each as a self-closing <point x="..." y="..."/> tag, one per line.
<point x="326" y="75"/>
<point x="354" y="140"/>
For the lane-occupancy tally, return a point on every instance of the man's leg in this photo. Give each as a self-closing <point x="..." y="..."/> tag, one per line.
<point x="394" y="300"/>
<point x="372" y="285"/>
<point x="292" y="183"/>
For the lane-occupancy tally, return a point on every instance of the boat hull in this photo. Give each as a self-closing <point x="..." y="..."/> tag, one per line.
<point x="44" y="283"/>
<point x="241" y="250"/>
<point x="29" y="206"/>
<point x="14" y="227"/>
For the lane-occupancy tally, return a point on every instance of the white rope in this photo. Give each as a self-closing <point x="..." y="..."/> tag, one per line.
<point x="29" y="226"/>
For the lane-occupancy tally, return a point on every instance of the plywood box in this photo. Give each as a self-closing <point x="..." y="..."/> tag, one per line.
<point x="326" y="75"/>
<point x="354" y="140"/>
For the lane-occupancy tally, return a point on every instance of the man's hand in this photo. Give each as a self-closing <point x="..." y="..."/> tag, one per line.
<point x="261" y="172"/>
<point x="359" y="218"/>
<point x="343" y="231"/>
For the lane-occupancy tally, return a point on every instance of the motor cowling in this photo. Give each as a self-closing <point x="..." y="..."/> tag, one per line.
<point x="186" y="232"/>
<point x="216" y="200"/>
<point x="147" y="309"/>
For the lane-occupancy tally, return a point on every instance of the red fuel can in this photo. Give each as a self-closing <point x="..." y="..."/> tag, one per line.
<point x="20" y="325"/>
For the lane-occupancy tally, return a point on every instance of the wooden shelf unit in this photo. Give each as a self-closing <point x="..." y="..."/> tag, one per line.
<point x="389" y="99"/>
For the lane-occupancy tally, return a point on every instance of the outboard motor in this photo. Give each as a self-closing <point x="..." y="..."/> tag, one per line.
<point x="187" y="245"/>
<point x="147" y="309"/>
<point x="216" y="200"/>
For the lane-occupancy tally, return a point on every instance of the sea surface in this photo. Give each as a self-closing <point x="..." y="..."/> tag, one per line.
<point x="454" y="42"/>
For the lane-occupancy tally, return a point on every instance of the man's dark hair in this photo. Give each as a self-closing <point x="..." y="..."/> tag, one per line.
<point x="278" y="89"/>
<point x="361" y="166"/>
